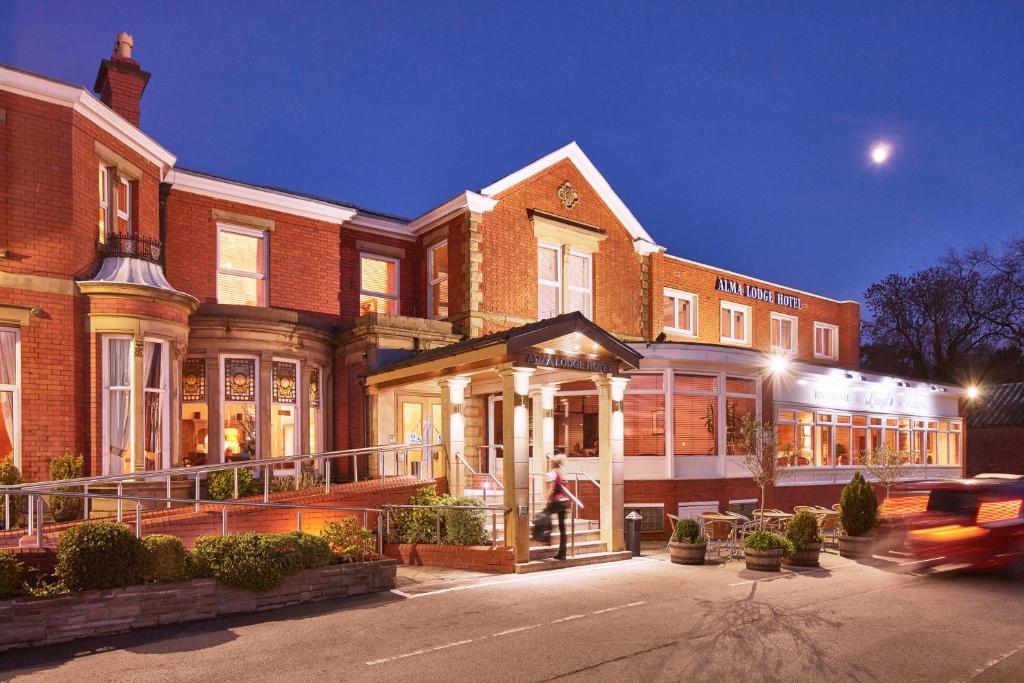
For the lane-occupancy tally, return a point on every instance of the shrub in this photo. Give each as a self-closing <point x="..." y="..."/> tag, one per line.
<point x="349" y="541"/>
<point x="803" y="529"/>
<point x="418" y="526"/>
<point x="247" y="560"/>
<point x="858" y="507"/>
<point x="10" y="575"/>
<point x="298" y="550"/>
<point x="464" y="527"/>
<point x="768" y="540"/>
<point x="220" y="485"/>
<point x="11" y="476"/>
<point x="308" y="480"/>
<point x="65" y="466"/>
<point x="687" y="531"/>
<point x="163" y="558"/>
<point x="98" y="555"/>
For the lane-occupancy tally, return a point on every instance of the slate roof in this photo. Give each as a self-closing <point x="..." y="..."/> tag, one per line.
<point x="1001" y="405"/>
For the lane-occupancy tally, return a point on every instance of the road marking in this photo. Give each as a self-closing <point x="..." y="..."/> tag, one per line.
<point x="792" y="570"/>
<point x="991" y="663"/>
<point x="568" y="618"/>
<point x="402" y="593"/>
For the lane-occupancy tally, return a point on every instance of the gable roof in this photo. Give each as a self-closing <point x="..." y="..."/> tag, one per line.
<point x="642" y="242"/>
<point x="1001" y="405"/>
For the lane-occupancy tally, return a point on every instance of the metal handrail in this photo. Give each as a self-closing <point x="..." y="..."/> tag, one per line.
<point x="493" y="509"/>
<point x="567" y="491"/>
<point x="576" y="473"/>
<point x="473" y="472"/>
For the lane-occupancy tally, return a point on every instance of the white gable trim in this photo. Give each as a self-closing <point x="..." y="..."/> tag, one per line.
<point x="642" y="241"/>
<point x="377" y="224"/>
<point x="83" y="102"/>
<point x="476" y="203"/>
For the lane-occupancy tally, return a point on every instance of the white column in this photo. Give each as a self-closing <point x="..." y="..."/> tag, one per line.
<point x="515" y="385"/>
<point x="453" y="432"/>
<point x="611" y="463"/>
<point x="543" y="405"/>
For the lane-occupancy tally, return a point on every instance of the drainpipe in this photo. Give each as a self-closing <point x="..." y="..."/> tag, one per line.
<point x="165" y="191"/>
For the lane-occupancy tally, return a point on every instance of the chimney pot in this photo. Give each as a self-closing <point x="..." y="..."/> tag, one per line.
<point x="123" y="45"/>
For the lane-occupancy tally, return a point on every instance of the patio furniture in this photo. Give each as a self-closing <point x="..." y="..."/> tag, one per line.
<point x="828" y="524"/>
<point x="719" y="531"/>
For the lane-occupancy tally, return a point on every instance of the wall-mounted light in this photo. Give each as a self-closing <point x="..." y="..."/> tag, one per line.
<point x="617" y="406"/>
<point x="548" y="412"/>
<point x="973" y="392"/>
<point x="456" y="408"/>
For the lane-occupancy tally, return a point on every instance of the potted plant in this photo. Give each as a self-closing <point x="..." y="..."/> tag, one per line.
<point x="764" y="550"/>
<point x="889" y="466"/>
<point x="803" y="533"/>
<point x="859" y="517"/>
<point x="687" y="546"/>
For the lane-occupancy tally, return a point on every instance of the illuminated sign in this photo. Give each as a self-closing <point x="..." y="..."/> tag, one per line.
<point x="560" y="362"/>
<point x="760" y="293"/>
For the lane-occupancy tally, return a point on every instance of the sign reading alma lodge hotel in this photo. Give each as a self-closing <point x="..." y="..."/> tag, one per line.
<point x="760" y="293"/>
<point x="559" y="361"/>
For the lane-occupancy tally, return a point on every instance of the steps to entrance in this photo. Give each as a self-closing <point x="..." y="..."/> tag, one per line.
<point x="578" y="561"/>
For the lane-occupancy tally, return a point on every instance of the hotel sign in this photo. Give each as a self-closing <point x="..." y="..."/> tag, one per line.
<point x="558" y="361"/>
<point x="760" y="293"/>
<point x="837" y="394"/>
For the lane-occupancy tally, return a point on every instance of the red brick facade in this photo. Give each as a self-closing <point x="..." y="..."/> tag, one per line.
<point x="995" y="449"/>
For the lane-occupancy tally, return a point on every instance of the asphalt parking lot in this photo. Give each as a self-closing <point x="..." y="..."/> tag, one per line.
<point x="645" y="619"/>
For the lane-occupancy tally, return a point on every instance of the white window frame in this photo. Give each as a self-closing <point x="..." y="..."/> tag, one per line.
<point x="678" y="295"/>
<point x="431" y="281"/>
<point x="316" y="418"/>
<point x="16" y="390"/>
<point x="793" y="338"/>
<point x="733" y="307"/>
<point x="222" y="397"/>
<point x="557" y="284"/>
<point x="589" y="289"/>
<point x="105" y="201"/>
<point x="300" y="386"/>
<point x="265" y="242"/>
<point x="833" y="353"/>
<point x="127" y="213"/>
<point x="396" y="297"/>
<point x="107" y="388"/>
<point x="165" y="401"/>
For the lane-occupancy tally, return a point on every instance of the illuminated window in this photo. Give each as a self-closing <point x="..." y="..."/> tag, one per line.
<point x="740" y="402"/>
<point x="695" y="414"/>
<point x="580" y="284"/>
<point x="195" y="427"/>
<point x="574" y="292"/>
<point x="315" y="413"/>
<point x="239" y="410"/>
<point x="104" y="188"/>
<point x="679" y="312"/>
<point x="284" y="422"/>
<point x="241" y="266"/>
<point x="735" y="320"/>
<point x="825" y="341"/>
<point x="549" y="281"/>
<point x="10" y="395"/>
<point x="117" y="404"/>
<point x="115" y="203"/>
<point x="378" y="284"/>
<point x="156" y="434"/>
<point x="784" y="333"/>
<point x="643" y="414"/>
<point x="437" y="294"/>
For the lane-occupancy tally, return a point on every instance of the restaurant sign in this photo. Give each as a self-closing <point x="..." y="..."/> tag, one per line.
<point x="558" y="361"/>
<point x="760" y="293"/>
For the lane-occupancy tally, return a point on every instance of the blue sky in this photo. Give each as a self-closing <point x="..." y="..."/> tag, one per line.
<point x="736" y="132"/>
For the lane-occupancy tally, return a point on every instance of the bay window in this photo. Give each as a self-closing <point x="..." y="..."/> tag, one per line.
<point x="10" y="404"/>
<point x="740" y="402"/>
<point x="117" y="404"/>
<point x="195" y="426"/>
<point x="679" y="312"/>
<point x="155" y="399"/>
<point x="378" y="284"/>
<point x="241" y="266"/>
<point x="284" y="422"/>
<point x="437" y="292"/>
<point x="783" y="333"/>
<point x="316" y="427"/>
<point x="695" y="414"/>
<point x="825" y="341"/>
<point x="239" y="408"/>
<point x="644" y="415"/>
<point x="735" y="321"/>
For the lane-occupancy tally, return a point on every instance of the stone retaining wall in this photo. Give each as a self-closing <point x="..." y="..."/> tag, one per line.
<point x="43" y="621"/>
<point x="483" y="558"/>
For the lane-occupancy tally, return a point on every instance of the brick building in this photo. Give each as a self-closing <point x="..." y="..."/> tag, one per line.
<point x="155" y="317"/>
<point x="995" y="430"/>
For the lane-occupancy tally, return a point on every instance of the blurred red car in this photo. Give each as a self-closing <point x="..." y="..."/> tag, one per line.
<point x="976" y="522"/>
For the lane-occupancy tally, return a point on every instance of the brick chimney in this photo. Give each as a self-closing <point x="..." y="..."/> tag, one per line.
<point x="120" y="81"/>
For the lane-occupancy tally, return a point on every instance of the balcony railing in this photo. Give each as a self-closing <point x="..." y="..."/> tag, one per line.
<point x="132" y="246"/>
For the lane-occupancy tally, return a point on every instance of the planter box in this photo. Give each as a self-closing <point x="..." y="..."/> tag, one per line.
<point x="43" y="621"/>
<point x="856" y="547"/>
<point x="808" y="557"/>
<point x="763" y="560"/>
<point x="486" y="558"/>
<point x="687" y="553"/>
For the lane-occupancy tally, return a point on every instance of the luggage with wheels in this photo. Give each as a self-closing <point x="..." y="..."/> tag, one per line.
<point x="541" y="529"/>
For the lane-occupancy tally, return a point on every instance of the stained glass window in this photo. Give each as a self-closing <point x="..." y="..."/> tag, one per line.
<point x="284" y="382"/>
<point x="193" y="380"/>
<point x="314" y="387"/>
<point x="239" y="379"/>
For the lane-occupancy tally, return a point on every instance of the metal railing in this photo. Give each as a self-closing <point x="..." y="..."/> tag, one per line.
<point x="132" y="246"/>
<point x="494" y="511"/>
<point x="473" y="473"/>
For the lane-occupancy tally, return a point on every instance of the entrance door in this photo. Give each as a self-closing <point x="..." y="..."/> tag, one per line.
<point x="420" y="418"/>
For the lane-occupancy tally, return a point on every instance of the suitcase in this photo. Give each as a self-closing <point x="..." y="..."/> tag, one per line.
<point x="541" y="528"/>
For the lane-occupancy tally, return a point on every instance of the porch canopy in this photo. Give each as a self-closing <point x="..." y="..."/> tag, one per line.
<point x="527" y="362"/>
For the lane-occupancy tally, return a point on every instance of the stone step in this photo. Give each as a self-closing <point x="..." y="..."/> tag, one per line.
<point x="578" y="561"/>
<point x="581" y="536"/>
<point x="540" y="552"/>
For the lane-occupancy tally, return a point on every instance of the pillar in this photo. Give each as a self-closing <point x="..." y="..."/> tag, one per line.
<point x="515" y="386"/>
<point x="611" y="464"/>
<point x="214" y="418"/>
<point x="453" y="432"/>
<point x="265" y="397"/>
<point x="138" y="405"/>
<point x="543" y="402"/>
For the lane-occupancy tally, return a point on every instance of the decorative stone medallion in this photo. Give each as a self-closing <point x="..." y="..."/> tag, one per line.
<point x="568" y="194"/>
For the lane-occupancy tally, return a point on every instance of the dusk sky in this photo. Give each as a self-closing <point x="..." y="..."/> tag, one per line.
<point x="738" y="135"/>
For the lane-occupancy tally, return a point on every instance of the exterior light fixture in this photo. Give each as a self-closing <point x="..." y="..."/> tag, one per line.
<point x="778" y="364"/>
<point x="973" y="392"/>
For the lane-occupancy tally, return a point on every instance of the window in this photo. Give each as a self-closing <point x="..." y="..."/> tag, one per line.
<point x="117" y="405"/>
<point x="652" y="515"/>
<point x="735" y="323"/>
<point x="154" y="402"/>
<point x="549" y="281"/>
<point x="784" y="333"/>
<point x="284" y="423"/>
<point x="695" y="414"/>
<point x="239" y="408"/>
<point x="115" y="203"/>
<point x="580" y="292"/>
<point x="437" y="294"/>
<point x="316" y="426"/>
<point x="195" y="426"/>
<point x="241" y="266"/>
<point x="10" y="418"/>
<point x="679" y="312"/>
<point x="643" y="413"/>
<point x="378" y="284"/>
<point x="104" y="183"/>
<point x="825" y="341"/>
<point x="740" y="401"/>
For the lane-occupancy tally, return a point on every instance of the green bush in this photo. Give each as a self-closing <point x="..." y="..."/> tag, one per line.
<point x="163" y="558"/>
<point x="769" y="540"/>
<point x="298" y="550"/>
<point x="99" y="555"/>
<point x="10" y="575"/>
<point x="308" y="480"/>
<point x="803" y="529"/>
<point x="687" y="531"/>
<point x="464" y="527"/>
<point x="418" y="526"/>
<point x="349" y="541"/>
<point x="247" y="560"/>
<point x="220" y="485"/>
<point x="66" y="466"/>
<point x="858" y="507"/>
<point x="11" y="476"/>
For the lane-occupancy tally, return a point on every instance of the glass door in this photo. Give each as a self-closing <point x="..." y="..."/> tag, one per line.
<point x="420" y="420"/>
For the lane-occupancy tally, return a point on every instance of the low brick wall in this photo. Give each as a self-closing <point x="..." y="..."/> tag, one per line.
<point x="483" y="558"/>
<point x="43" y="621"/>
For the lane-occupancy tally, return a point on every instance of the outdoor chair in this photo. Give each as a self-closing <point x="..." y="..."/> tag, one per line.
<point x="797" y="509"/>
<point x="828" y="525"/>
<point x="719" y="533"/>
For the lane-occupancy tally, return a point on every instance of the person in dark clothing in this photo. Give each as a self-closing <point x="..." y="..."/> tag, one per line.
<point x="558" y="502"/>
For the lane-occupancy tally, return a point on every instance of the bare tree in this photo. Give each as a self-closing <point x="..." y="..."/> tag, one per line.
<point x="760" y="443"/>
<point x="887" y="465"/>
<point x="1001" y="278"/>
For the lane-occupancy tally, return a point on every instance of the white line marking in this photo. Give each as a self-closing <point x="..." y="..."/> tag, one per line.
<point x="991" y="663"/>
<point x="512" y="630"/>
<point x="402" y="593"/>
<point x="568" y="618"/>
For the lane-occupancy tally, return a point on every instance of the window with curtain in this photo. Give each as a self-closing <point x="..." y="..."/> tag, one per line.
<point x="154" y="364"/>
<point x="241" y="266"/>
<point x="695" y="414"/>
<point x="9" y="418"/>
<point x="783" y="333"/>
<point x="438" y="271"/>
<point x="580" y="284"/>
<point x="284" y="409"/>
<point x="643" y="413"/>
<point x="115" y="203"/>
<point x="679" y="312"/>
<point x="825" y="340"/>
<point x="735" y="323"/>
<point x="378" y="285"/>
<point x="740" y="402"/>
<point x="549" y="281"/>
<point x="118" y="420"/>
<point x="240" y="392"/>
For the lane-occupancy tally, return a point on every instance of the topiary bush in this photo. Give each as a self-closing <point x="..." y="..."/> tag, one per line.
<point x="221" y="485"/>
<point x="803" y="529"/>
<point x="464" y="527"/>
<point x="163" y="559"/>
<point x="349" y="541"/>
<point x="248" y="560"/>
<point x="687" y="531"/>
<point x="10" y="575"/>
<point x="858" y="507"/>
<point x="769" y="540"/>
<point x="66" y="466"/>
<point x="98" y="555"/>
<point x="10" y="475"/>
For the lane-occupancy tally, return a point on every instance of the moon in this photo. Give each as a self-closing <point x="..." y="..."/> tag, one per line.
<point x="880" y="153"/>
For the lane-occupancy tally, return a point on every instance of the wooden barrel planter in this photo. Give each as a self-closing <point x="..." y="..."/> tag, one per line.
<point x="856" y="547"/>
<point x="763" y="560"/>
<point x="687" y="553"/>
<point x="806" y="557"/>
